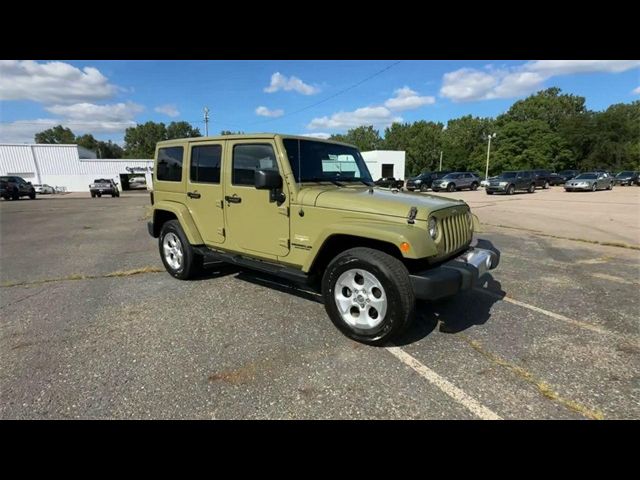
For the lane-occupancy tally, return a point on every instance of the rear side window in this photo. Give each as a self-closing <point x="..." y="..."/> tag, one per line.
<point x="205" y="163"/>
<point x="170" y="164"/>
<point x="249" y="158"/>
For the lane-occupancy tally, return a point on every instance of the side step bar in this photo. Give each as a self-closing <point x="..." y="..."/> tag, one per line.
<point x="291" y="274"/>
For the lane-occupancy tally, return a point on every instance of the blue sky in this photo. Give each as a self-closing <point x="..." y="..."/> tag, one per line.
<point x="104" y="97"/>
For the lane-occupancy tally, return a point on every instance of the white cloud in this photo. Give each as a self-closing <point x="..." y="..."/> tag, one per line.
<point x="265" y="112"/>
<point x="281" y="82"/>
<point x="52" y="82"/>
<point x="168" y="109"/>
<point x="23" y="131"/>
<point x="376" y="116"/>
<point x="636" y="91"/>
<point x="468" y="84"/>
<point x="316" y="135"/>
<point x="407" y="99"/>
<point x="117" y="112"/>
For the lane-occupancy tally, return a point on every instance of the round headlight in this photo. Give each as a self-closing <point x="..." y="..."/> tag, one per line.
<point x="433" y="228"/>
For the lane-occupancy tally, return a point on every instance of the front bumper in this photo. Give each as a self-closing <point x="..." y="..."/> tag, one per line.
<point x="574" y="187"/>
<point x="496" y="188"/>
<point x="461" y="273"/>
<point x="627" y="181"/>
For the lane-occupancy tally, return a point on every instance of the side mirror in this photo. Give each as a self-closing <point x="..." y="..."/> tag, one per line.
<point x="268" y="180"/>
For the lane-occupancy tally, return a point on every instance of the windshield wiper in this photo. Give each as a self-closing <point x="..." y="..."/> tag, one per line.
<point x="322" y="179"/>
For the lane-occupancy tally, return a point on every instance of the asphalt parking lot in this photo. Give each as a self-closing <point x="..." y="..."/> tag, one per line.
<point x="92" y="326"/>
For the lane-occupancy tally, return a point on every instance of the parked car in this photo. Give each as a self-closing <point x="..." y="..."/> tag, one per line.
<point x="44" y="188"/>
<point x="424" y="181"/>
<point x="484" y="183"/>
<point x="567" y="175"/>
<point x="389" y="182"/>
<point x="456" y="181"/>
<point x="555" y="179"/>
<point x="104" y="186"/>
<point x="509" y="182"/>
<point x="590" y="181"/>
<point x="13" y="188"/>
<point x="368" y="252"/>
<point x="542" y="178"/>
<point x="626" y="178"/>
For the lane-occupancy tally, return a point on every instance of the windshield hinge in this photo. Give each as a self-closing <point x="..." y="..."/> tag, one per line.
<point x="411" y="218"/>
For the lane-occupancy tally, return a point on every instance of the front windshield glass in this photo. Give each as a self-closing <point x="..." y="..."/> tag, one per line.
<point x="586" y="176"/>
<point x="625" y="174"/>
<point x="508" y="175"/>
<point x="313" y="161"/>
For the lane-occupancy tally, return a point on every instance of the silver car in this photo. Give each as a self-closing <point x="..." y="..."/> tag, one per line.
<point x="590" y="181"/>
<point x="456" y="181"/>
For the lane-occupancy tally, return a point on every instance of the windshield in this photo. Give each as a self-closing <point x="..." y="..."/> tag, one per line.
<point x="625" y="174"/>
<point x="508" y="175"/>
<point x="313" y="161"/>
<point x="586" y="176"/>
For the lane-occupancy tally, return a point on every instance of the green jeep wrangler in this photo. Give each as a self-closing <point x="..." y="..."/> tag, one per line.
<point x="307" y="210"/>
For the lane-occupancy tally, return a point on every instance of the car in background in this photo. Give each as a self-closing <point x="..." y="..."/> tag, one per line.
<point x="555" y="180"/>
<point x="567" y="175"/>
<point x="456" y="181"/>
<point x="424" y="181"/>
<point x="104" y="186"/>
<point x="590" y="181"/>
<point x="542" y="178"/>
<point x="626" y="177"/>
<point x="509" y="182"/>
<point x="484" y="183"/>
<point x="389" y="182"/>
<point x="13" y="188"/>
<point x="43" y="189"/>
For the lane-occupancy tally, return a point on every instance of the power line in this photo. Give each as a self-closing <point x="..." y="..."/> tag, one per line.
<point x="331" y="96"/>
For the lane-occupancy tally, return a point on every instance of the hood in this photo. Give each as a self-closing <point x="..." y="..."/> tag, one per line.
<point x="383" y="202"/>
<point x="580" y="180"/>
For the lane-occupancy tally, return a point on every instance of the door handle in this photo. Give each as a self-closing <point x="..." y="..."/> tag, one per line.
<point x="193" y="195"/>
<point x="233" y="199"/>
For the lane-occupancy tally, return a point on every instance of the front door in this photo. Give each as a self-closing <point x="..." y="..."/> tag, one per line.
<point x="204" y="190"/>
<point x="257" y="222"/>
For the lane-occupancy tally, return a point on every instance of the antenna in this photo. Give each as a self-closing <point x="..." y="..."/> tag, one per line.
<point x="206" y="121"/>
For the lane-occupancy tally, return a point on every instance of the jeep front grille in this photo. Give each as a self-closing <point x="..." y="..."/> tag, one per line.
<point x="456" y="232"/>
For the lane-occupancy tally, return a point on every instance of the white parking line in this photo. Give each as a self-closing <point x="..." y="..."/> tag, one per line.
<point x="447" y="387"/>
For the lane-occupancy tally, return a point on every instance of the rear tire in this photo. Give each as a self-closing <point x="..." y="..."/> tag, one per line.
<point x="388" y="301"/>
<point x="15" y="195"/>
<point x="610" y="187"/>
<point x="177" y="254"/>
<point x="474" y="186"/>
<point x="93" y="195"/>
<point x="594" y="187"/>
<point x="546" y="185"/>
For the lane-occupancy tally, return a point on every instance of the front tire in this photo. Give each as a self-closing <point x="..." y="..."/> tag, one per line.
<point x="511" y="190"/>
<point x="423" y="188"/>
<point x="532" y="188"/>
<point x="32" y="194"/>
<point x="474" y="186"/>
<point x="594" y="187"/>
<point x="546" y="185"/>
<point x="367" y="295"/>
<point x="488" y="192"/>
<point x="451" y="187"/>
<point x="177" y="254"/>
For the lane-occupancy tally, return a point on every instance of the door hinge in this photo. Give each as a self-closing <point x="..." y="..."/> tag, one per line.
<point x="284" y="211"/>
<point x="220" y="204"/>
<point x="221" y="231"/>
<point x="283" y="242"/>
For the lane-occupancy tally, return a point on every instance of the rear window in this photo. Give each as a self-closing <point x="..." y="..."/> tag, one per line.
<point x="170" y="164"/>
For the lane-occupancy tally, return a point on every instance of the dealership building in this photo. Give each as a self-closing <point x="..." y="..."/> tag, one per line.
<point x="70" y="168"/>
<point x="73" y="168"/>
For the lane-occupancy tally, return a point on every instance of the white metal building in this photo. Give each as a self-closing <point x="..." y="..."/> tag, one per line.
<point x="68" y="167"/>
<point x="385" y="163"/>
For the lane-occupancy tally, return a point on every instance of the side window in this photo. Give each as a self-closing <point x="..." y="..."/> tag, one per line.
<point x="247" y="158"/>
<point x="170" y="164"/>
<point x="205" y="163"/>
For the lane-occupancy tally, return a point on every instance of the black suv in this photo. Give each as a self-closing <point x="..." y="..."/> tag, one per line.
<point x="566" y="175"/>
<point x="542" y="178"/>
<point x="509" y="182"/>
<point x="424" y="181"/>
<point x="15" y="187"/>
<point x="389" y="182"/>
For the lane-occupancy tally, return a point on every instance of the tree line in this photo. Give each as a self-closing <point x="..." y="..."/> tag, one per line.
<point x="549" y="129"/>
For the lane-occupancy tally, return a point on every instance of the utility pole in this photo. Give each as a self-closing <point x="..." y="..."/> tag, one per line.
<point x="206" y="121"/>
<point x="486" y="175"/>
<point x="440" y="161"/>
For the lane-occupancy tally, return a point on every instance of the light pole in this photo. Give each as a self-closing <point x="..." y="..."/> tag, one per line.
<point x="206" y="121"/>
<point x="486" y="174"/>
<point x="440" y="161"/>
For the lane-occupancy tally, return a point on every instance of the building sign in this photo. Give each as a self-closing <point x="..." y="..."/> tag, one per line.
<point x="139" y="169"/>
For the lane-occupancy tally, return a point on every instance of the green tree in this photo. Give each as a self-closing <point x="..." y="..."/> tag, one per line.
<point x="110" y="150"/>
<point x="87" y="141"/>
<point x="422" y="142"/>
<point x="181" y="130"/>
<point x="57" y="135"/>
<point x="364" y="137"/>
<point x="464" y="143"/>
<point x="550" y="106"/>
<point x="140" y="141"/>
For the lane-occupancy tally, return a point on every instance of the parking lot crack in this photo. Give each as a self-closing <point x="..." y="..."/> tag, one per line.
<point x="80" y="276"/>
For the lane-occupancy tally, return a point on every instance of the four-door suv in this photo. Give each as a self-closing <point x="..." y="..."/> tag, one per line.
<point x="424" y="181"/>
<point x="104" y="186"/>
<point x="456" y="181"/>
<point x="542" y="178"/>
<point x="626" y="178"/>
<point x="13" y="188"/>
<point x="509" y="182"/>
<point x="306" y="210"/>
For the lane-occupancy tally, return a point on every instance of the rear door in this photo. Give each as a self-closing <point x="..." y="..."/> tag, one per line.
<point x="204" y="189"/>
<point x="256" y="222"/>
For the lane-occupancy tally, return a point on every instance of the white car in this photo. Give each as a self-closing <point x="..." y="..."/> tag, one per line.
<point x="42" y="189"/>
